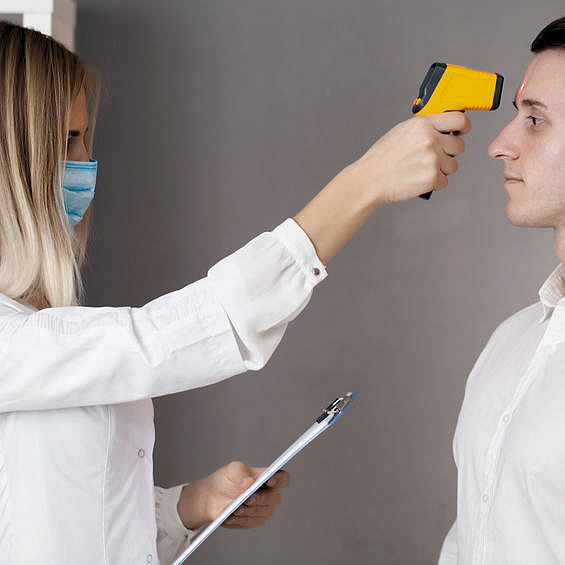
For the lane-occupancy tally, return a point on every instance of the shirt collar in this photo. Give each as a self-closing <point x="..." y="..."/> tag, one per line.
<point x="552" y="291"/>
<point x="17" y="304"/>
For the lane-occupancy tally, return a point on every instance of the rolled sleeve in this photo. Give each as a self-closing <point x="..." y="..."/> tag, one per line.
<point x="264" y="285"/>
<point x="293" y="237"/>
<point x="172" y="536"/>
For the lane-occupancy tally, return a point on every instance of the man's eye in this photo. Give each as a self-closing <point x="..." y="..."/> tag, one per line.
<point x="534" y="121"/>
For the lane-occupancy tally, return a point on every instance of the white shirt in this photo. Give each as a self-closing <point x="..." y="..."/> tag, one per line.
<point x="509" y="443"/>
<point x="76" y="417"/>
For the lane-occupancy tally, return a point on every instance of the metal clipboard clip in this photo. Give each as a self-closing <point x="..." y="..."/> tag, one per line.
<point x="337" y="408"/>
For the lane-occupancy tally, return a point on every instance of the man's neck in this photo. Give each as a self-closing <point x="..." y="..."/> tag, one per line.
<point x="559" y="242"/>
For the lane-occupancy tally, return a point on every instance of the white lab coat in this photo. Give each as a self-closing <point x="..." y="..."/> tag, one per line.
<point x="76" y="417"/>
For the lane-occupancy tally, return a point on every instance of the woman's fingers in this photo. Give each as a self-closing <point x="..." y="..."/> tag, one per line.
<point x="244" y="522"/>
<point x="260" y="506"/>
<point x="254" y="515"/>
<point x="448" y="122"/>
<point x="448" y="165"/>
<point x="452" y="145"/>
<point x="265" y="511"/>
<point x="280" y="479"/>
<point x="265" y="497"/>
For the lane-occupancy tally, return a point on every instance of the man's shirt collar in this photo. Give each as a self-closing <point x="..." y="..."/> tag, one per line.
<point x="552" y="291"/>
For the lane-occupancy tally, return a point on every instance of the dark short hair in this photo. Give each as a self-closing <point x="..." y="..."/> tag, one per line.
<point x="551" y="36"/>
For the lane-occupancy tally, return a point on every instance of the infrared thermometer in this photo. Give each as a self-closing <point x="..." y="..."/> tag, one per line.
<point x="450" y="87"/>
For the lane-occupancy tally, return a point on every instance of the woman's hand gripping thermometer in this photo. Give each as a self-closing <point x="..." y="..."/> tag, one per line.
<point x="449" y="87"/>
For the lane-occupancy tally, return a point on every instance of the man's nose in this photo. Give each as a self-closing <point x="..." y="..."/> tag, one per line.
<point x="504" y="146"/>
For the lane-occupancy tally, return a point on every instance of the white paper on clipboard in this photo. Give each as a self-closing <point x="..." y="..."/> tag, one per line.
<point x="328" y="417"/>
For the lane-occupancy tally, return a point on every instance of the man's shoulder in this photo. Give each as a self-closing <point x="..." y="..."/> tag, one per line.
<point x="521" y="321"/>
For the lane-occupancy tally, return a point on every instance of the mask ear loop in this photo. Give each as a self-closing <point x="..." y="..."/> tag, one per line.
<point x="62" y="212"/>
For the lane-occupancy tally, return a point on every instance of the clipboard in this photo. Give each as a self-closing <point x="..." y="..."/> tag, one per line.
<point x="329" y="416"/>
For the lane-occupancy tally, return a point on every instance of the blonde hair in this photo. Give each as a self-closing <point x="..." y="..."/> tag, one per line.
<point x="40" y="254"/>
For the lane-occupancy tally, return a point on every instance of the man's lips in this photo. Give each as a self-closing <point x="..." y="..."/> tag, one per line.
<point x="511" y="179"/>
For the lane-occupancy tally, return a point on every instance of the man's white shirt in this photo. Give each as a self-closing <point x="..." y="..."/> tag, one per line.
<point x="509" y="443"/>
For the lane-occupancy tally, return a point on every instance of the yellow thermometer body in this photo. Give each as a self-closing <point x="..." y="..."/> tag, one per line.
<point x="450" y="87"/>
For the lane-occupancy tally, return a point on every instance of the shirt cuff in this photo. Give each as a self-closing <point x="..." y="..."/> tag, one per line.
<point x="166" y="501"/>
<point x="294" y="238"/>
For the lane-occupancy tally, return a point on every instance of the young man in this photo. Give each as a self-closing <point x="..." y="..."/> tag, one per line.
<point x="510" y="439"/>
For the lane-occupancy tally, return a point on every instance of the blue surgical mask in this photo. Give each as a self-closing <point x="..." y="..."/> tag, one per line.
<point x="79" y="179"/>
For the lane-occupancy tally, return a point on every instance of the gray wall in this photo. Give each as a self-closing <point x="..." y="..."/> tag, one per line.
<point x="222" y="118"/>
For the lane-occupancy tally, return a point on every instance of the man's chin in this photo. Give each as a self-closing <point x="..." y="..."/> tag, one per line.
<point x="521" y="217"/>
<point x="521" y="222"/>
<point x="515" y="216"/>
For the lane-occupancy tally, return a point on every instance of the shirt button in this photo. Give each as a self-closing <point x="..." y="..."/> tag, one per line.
<point x="547" y="349"/>
<point x="141" y="453"/>
<point x="149" y="558"/>
<point x="485" y="498"/>
<point x="316" y="271"/>
<point x="506" y="418"/>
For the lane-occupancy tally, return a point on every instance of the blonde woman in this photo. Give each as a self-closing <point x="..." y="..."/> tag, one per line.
<point x="76" y="417"/>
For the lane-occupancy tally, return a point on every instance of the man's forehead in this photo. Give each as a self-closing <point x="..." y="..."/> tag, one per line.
<point x="544" y="80"/>
<point x="520" y="91"/>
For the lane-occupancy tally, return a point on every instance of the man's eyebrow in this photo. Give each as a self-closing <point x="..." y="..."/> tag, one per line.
<point x="530" y="102"/>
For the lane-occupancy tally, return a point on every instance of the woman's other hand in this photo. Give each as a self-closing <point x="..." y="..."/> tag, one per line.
<point x="202" y="501"/>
